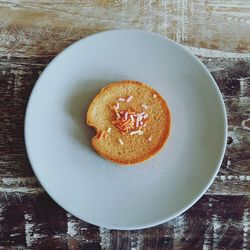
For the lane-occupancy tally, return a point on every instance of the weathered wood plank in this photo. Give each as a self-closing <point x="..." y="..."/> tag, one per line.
<point x="233" y="79"/>
<point x="26" y="25"/>
<point x="17" y="77"/>
<point x="33" y="32"/>
<point x="35" y="221"/>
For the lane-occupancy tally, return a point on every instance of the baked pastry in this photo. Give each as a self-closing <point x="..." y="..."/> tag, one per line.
<point x="132" y="122"/>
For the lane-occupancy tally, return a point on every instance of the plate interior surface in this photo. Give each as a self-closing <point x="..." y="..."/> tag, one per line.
<point x="96" y="190"/>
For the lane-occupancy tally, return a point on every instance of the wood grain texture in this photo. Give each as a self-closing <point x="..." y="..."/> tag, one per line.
<point x="24" y="24"/>
<point x="33" y="32"/>
<point x="215" y="222"/>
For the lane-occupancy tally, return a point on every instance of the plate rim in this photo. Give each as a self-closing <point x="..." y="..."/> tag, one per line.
<point x="196" y="198"/>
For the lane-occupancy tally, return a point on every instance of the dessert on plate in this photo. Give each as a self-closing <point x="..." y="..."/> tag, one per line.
<point x="132" y="122"/>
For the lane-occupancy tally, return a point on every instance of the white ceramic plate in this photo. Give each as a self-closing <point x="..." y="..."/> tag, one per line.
<point x="96" y="190"/>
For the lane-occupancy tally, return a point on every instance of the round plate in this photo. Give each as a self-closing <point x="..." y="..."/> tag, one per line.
<point x="96" y="190"/>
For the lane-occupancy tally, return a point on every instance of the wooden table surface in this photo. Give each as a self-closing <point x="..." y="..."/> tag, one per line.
<point x="34" y="32"/>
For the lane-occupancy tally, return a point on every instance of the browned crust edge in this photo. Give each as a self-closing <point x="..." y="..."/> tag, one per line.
<point x="144" y="157"/>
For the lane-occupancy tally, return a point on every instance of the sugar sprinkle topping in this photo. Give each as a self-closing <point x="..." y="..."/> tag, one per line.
<point x="128" y="120"/>
<point x="117" y="106"/>
<point x="102" y="134"/>
<point x="129" y="98"/>
<point x="132" y="118"/>
<point x="126" y="116"/>
<point x="139" y="132"/>
<point x="121" y="99"/>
